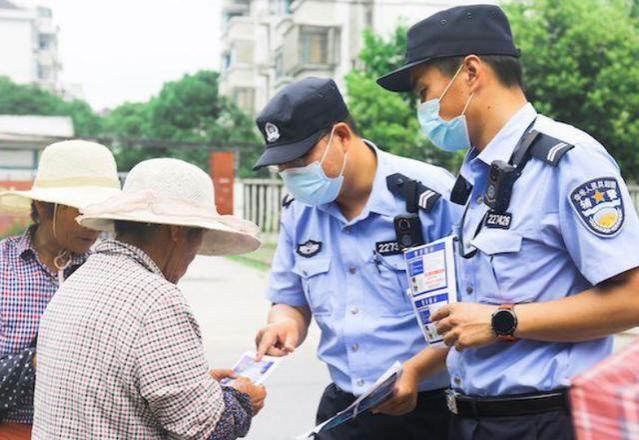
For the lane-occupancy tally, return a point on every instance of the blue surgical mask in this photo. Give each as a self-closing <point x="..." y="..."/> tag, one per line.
<point x="449" y="135"/>
<point x="310" y="184"/>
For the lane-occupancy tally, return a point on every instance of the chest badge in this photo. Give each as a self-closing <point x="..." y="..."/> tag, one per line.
<point x="599" y="205"/>
<point x="309" y="249"/>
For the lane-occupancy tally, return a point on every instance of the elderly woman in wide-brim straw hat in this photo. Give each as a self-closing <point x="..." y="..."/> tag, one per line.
<point x="139" y="369"/>
<point x="70" y="175"/>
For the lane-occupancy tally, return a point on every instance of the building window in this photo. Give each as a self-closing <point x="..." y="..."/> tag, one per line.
<point x="244" y="98"/>
<point x="226" y="61"/>
<point x="44" y="42"/>
<point x="280" y="7"/>
<point x="314" y="45"/>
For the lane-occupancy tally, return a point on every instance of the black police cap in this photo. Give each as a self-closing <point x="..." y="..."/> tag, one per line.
<point x="458" y="31"/>
<point x="295" y="119"/>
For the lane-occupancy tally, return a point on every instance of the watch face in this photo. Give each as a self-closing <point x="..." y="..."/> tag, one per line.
<point x="504" y="322"/>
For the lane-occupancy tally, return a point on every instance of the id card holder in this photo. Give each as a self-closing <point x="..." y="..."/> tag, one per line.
<point x="432" y="281"/>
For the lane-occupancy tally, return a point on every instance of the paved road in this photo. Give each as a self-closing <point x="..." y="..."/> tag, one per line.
<point x="227" y="300"/>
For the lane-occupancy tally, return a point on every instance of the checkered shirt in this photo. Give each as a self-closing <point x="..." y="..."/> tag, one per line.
<point x="605" y="400"/>
<point x="120" y="356"/>
<point x="26" y="287"/>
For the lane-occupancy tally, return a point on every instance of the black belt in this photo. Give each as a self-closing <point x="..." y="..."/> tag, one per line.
<point x="513" y="405"/>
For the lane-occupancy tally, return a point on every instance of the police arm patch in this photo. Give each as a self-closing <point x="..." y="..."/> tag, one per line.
<point x="599" y="205"/>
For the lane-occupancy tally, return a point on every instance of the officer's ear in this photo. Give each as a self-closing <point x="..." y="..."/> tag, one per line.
<point x="343" y="134"/>
<point x="473" y="72"/>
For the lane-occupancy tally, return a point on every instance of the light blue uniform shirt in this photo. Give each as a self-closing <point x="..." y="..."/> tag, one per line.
<point x="359" y="299"/>
<point x="557" y="245"/>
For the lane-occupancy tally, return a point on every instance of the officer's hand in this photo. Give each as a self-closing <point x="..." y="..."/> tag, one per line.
<point x="257" y="393"/>
<point x="277" y="339"/>
<point x="404" y="399"/>
<point x="465" y="325"/>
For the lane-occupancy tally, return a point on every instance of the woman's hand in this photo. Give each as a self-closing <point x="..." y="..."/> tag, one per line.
<point x="257" y="393"/>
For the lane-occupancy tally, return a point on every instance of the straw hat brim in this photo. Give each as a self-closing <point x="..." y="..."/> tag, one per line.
<point x="19" y="202"/>
<point x="219" y="238"/>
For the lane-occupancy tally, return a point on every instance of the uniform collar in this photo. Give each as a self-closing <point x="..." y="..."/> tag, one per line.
<point x="503" y="144"/>
<point x="381" y="200"/>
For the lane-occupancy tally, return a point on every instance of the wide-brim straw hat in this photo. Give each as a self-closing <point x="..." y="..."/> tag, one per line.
<point x="74" y="173"/>
<point x="173" y="192"/>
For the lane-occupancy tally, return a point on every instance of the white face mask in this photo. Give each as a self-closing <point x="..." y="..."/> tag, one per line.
<point x="310" y="184"/>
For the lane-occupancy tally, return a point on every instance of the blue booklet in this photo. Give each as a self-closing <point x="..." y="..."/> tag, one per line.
<point x="381" y="391"/>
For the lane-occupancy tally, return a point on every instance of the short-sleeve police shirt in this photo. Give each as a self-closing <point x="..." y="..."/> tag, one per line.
<point x="573" y="226"/>
<point x="354" y="279"/>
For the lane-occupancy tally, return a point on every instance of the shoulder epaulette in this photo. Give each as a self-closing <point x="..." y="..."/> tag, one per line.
<point x="549" y="149"/>
<point x="413" y="191"/>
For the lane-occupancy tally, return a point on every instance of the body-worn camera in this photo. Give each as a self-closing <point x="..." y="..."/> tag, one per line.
<point x="408" y="229"/>
<point x="501" y="179"/>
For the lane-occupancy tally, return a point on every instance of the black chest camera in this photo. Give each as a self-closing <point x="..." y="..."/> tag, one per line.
<point x="408" y="229"/>
<point x="501" y="179"/>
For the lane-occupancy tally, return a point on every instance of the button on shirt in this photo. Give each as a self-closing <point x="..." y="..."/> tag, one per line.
<point x="358" y="297"/>
<point x="548" y="252"/>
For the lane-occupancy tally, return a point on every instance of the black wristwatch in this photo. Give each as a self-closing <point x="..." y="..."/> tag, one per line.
<point x="504" y="322"/>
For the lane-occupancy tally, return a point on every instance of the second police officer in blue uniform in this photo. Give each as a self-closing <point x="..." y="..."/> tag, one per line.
<point x="339" y="261"/>
<point x="548" y="242"/>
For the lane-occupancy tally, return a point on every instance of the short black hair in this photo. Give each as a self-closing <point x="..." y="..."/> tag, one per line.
<point x="508" y="69"/>
<point x="48" y="209"/>
<point x="349" y="120"/>
<point x="144" y="230"/>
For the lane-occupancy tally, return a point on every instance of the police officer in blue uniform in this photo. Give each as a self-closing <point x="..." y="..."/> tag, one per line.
<point x="548" y="241"/>
<point x="339" y="260"/>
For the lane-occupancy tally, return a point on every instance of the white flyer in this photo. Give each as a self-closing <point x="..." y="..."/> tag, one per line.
<point x="432" y="282"/>
<point x="256" y="371"/>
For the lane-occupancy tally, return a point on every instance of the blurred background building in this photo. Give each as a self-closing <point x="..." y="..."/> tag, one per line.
<point x="267" y="44"/>
<point x="29" y="45"/>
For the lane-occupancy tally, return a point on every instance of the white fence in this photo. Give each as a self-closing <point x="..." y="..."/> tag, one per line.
<point x="260" y="200"/>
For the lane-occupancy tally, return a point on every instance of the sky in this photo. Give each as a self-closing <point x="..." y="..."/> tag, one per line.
<point x="124" y="50"/>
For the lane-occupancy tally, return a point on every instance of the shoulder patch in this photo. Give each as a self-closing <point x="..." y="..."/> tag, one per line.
<point x="309" y="249"/>
<point x="549" y="149"/>
<point x="599" y="205"/>
<point x="287" y="200"/>
<point x="413" y="192"/>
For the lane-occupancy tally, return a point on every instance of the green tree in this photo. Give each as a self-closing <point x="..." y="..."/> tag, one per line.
<point x="390" y="119"/>
<point x="580" y="63"/>
<point x="187" y="110"/>
<point x="19" y="99"/>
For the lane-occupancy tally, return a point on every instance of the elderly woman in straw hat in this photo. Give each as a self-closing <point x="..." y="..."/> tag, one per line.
<point x="71" y="174"/>
<point x="119" y="350"/>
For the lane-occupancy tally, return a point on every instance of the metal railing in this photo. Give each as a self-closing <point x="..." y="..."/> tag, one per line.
<point x="260" y="200"/>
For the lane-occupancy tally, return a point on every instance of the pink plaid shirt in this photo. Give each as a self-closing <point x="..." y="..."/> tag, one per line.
<point x="605" y="400"/>
<point x="26" y="287"/>
<point x="120" y="356"/>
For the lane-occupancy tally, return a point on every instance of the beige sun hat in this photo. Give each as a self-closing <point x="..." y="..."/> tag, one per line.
<point x="173" y="192"/>
<point x="74" y="173"/>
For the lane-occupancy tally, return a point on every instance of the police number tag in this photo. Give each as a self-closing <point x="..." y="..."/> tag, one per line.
<point x="432" y="280"/>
